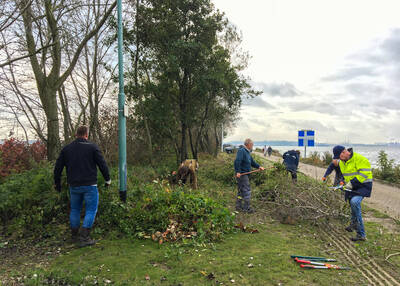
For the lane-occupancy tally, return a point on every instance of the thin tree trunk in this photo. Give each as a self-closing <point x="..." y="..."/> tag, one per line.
<point x="53" y="136"/>
<point x="194" y="149"/>
<point x="216" y="141"/>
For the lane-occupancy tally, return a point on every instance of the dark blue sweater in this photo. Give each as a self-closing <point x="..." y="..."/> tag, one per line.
<point x="291" y="160"/>
<point x="330" y="169"/>
<point x="81" y="159"/>
<point x="244" y="161"/>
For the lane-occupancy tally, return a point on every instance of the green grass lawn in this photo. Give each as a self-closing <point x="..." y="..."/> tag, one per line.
<point x="242" y="259"/>
<point x="261" y="258"/>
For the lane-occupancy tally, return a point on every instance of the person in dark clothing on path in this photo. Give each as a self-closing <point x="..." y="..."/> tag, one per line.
<point x="291" y="160"/>
<point x="243" y="164"/>
<point x="269" y="150"/>
<point x="334" y="165"/>
<point x="81" y="159"/>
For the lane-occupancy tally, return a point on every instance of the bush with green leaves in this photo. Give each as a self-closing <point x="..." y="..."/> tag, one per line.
<point x="151" y="208"/>
<point x="387" y="170"/>
<point x="219" y="169"/>
<point x="30" y="207"/>
<point x="29" y="203"/>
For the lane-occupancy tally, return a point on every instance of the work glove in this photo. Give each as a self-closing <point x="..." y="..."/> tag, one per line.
<point x="349" y="186"/>
<point x="122" y="196"/>
<point x="323" y="179"/>
<point x="57" y="187"/>
<point x="107" y="183"/>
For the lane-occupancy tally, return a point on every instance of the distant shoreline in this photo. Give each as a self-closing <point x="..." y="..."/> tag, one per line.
<point x="295" y="143"/>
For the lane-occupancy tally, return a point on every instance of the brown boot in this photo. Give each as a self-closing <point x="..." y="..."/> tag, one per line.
<point x="84" y="238"/>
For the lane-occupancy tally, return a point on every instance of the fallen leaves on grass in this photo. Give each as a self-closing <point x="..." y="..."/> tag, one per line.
<point x="172" y="233"/>
<point x="244" y="228"/>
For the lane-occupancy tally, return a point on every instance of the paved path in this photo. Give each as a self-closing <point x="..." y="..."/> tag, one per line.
<point x="384" y="198"/>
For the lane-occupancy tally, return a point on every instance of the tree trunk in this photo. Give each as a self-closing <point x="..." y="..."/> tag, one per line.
<point x="183" y="142"/>
<point x="53" y="136"/>
<point x="216" y="141"/>
<point x="194" y="148"/>
<point x="49" y="83"/>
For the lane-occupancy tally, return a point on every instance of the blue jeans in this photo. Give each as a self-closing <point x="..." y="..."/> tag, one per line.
<point x="356" y="218"/>
<point x="90" y="195"/>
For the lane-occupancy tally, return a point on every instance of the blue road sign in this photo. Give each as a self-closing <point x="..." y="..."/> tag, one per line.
<point x="306" y="137"/>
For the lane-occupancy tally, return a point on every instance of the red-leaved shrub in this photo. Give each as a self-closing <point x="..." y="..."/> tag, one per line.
<point x="17" y="156"/>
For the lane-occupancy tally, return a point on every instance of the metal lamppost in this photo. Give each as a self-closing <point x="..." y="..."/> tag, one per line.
<point x="122" y="111"/>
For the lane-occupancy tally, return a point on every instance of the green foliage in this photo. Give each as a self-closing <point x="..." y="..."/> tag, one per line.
<point x="29" y="206"/>
<point x="387" y="170"/>
<point x="316" y="159"/>
<point x="185" y="65"/>
<point x="327" y="158"/>
<point x="151" y="209"/>
<point x="220" y="169"/>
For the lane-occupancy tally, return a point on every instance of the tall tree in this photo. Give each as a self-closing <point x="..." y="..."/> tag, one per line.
<point x="186" y="70"/>
<point x="44" y="27"/>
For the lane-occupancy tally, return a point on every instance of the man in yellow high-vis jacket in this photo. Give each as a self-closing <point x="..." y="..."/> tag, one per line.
<point x="357" y="174"/>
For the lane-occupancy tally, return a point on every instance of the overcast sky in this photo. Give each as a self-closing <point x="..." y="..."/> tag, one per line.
<point x="331" y="66"/>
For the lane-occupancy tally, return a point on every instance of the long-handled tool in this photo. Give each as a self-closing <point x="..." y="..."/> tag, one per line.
<point x="313" y="258"/>
<point x="324" y="267"/>
<point x="254" y="171"/>
<point x="318" y="265"/>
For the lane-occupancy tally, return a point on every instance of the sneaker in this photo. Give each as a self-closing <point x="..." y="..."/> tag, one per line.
<point x="358" y="238"/>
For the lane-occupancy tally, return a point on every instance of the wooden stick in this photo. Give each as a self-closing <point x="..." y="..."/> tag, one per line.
<point x="258" y="170"/>
<point x="393" y="254"/>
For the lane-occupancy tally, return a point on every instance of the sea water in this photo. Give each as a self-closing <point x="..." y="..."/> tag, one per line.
<point x="371" y="152"/>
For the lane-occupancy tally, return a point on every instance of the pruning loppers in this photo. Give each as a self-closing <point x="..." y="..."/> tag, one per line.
<point x="318" y="265"/>
<point x="340" y="187"/>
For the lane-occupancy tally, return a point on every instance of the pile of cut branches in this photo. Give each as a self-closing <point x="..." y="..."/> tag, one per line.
<point x="291" y="202"/>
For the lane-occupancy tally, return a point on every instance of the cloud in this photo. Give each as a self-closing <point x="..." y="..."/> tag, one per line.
<point x="314" y="105"/>
<point x="309" y="124"/>
<point x="257" y="102"/>
<point x="365" y="89"/>
<point x="351" y="73"/>
<point x="279" y="89"/>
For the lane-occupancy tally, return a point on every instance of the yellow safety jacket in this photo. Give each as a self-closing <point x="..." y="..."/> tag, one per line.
<point x="357" y="170"/>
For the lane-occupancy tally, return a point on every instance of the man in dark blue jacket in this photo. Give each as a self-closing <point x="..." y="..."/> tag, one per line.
<point x="243" y="164"/>
<point x="334" y="166"/>
<point x="81" y="159"/>
<point x="291" y="161"/>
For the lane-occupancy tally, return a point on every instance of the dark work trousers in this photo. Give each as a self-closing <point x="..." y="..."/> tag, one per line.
<point x="294" y="175"/>
<point x="244" y="191"/>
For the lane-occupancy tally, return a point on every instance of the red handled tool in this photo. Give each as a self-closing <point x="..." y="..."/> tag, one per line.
<point x="318" y="265"/>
